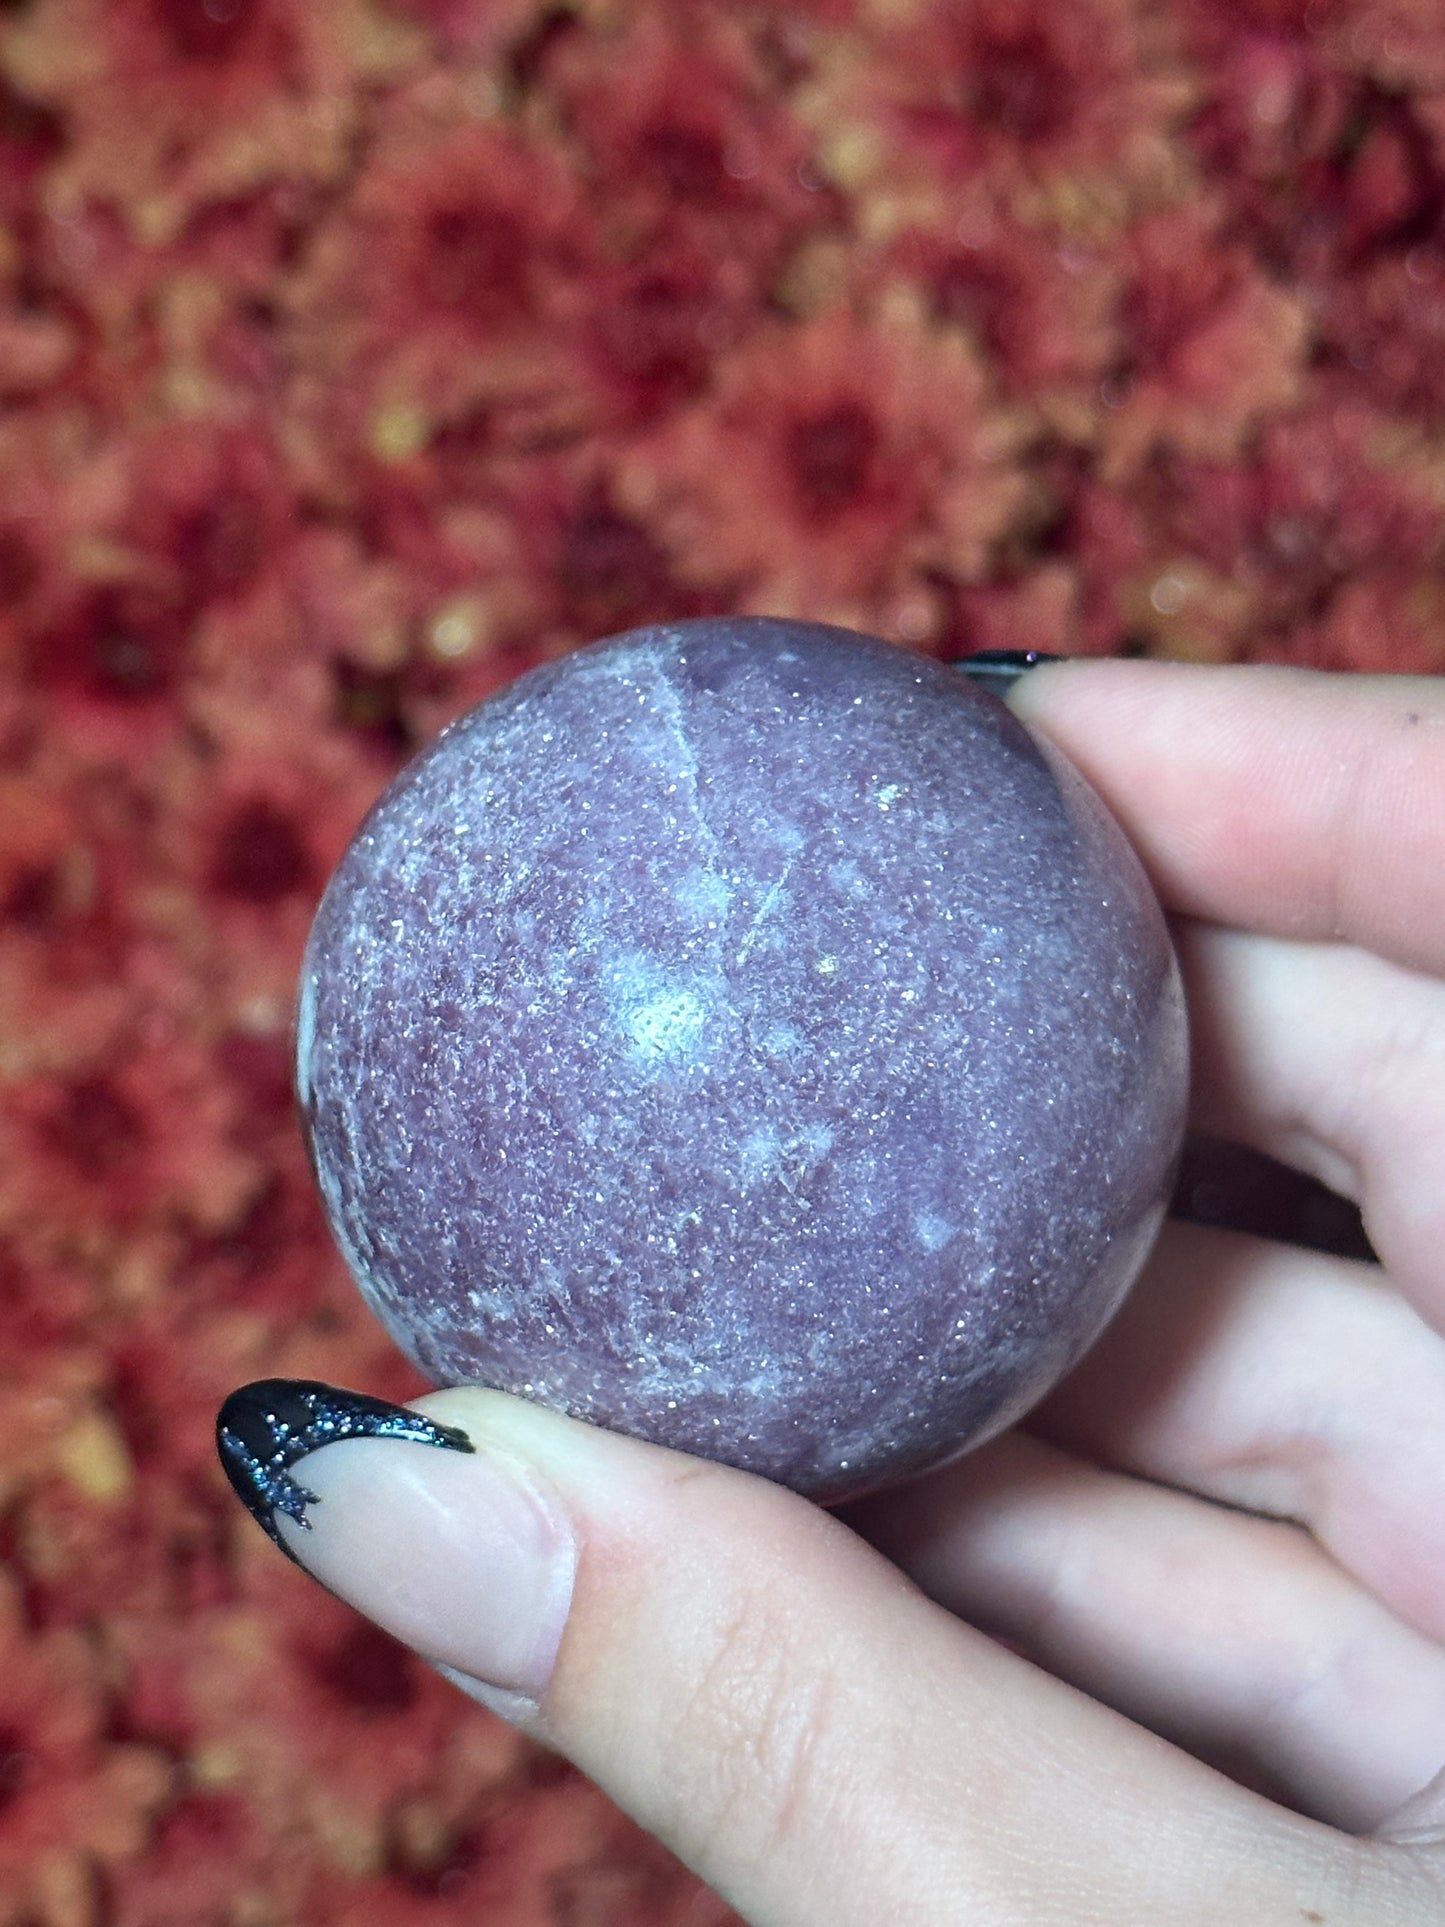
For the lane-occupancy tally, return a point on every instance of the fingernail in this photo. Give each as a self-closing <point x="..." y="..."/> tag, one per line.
<point x="997" y="670"/>
<point x="455" y="1550"/>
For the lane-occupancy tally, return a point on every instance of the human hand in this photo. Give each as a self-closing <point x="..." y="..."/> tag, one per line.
<point x="819" y="1730"/>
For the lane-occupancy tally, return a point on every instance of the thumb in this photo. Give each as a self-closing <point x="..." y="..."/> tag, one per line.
<point x="756" y="1685"/>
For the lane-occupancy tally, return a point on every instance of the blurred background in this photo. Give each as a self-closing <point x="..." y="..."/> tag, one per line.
<point x="357" y="354"/>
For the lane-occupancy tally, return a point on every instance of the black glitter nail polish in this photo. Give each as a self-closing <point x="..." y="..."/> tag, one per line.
<point x="997" y="670"/>
<point x="263" y="1429"/>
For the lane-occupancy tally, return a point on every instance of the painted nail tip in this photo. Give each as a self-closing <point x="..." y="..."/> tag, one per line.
<point x="1017" y="660"/>
<point x="265" y="1428"/>
<point x="998" y="670"/>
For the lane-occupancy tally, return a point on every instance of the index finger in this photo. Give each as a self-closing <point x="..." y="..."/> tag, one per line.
<point x="1290" y="801"/>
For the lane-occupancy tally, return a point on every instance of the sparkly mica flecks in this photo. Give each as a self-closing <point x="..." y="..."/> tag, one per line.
<point x="266" y="1428"/>
<point x="743" y="1035"/>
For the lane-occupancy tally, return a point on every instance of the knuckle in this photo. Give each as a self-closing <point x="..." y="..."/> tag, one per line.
<point x="747" y="1749"/>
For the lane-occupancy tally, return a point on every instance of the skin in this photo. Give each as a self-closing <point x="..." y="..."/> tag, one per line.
<point x="1174" y="1652"/>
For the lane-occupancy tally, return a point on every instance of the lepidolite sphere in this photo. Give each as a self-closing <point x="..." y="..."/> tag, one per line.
<point x="743" y="1035"/>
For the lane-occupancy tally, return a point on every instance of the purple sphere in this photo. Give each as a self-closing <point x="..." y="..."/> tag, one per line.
<point x="744" y="1035"/>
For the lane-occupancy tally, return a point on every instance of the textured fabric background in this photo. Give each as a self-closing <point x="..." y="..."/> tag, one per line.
<point x="355" y="354"/>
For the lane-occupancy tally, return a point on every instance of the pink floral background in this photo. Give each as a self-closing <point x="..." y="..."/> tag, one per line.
<point x="355" y="355"/>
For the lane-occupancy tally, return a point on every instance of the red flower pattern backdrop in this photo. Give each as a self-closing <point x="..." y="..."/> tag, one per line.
<point x="357" y="354"/>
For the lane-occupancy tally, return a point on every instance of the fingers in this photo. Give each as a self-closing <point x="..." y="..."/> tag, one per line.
<point x="1234" y="1636"/>
<point x="777" y="1703"/>
<point x="1333" y="1060"/>
<point x="1280" y="800"/>
<point x="1284" y="1381"/>
<point x="1421" y="1821"/>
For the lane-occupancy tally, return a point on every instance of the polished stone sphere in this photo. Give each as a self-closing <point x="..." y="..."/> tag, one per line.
<point x="744" y="1035"/>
